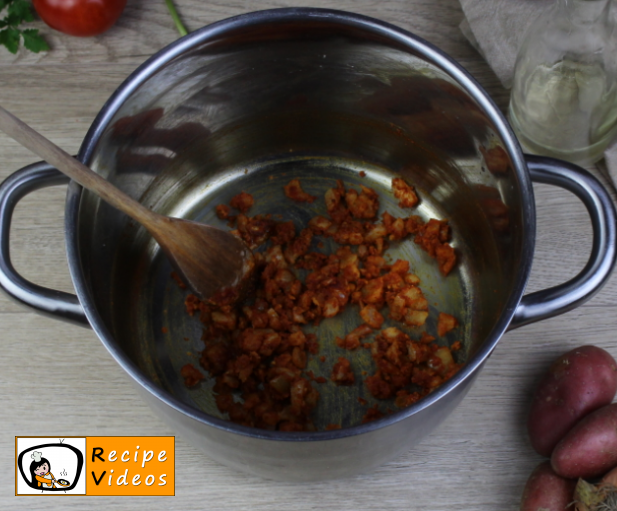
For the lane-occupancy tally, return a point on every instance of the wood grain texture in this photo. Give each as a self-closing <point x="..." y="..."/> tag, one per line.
<point x="57" y="379"/>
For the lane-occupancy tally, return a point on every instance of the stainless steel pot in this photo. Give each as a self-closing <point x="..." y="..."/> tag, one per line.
<point x="249" y="102"/>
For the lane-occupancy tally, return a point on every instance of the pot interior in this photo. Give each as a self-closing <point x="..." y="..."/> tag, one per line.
<point x="256" y="105"/>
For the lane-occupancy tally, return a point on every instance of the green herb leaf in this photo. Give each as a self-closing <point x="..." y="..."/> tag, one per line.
<point x="18" y="12"/>
<point x="9" y="37"/>
<point x="21" y="10"/>
<point x="33" y="41"/>
<point x="12" y="19"/>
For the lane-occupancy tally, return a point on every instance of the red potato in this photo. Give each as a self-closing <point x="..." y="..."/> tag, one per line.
<point x="577" y="383"/>
<point x="611" y="477"/>
<point x="546" y="491"/>
<point x="590" y="447"/>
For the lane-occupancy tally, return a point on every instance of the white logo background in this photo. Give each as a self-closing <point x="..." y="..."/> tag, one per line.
<point x="63" y="463"/>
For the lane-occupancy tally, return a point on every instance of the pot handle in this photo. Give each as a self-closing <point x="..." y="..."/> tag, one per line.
<point x="50" y="302"/>
<point x="569" y="295"/>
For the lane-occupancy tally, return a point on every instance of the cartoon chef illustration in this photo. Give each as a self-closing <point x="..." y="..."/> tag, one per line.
<point x="40" y="471"/>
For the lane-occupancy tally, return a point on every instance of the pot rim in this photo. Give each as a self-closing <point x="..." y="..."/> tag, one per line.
<point x="404" y="39"/>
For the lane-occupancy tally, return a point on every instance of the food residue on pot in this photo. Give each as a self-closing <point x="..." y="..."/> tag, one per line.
<point x="258" y="351"/>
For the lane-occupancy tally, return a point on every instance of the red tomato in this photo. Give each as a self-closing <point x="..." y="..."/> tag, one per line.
<point x="80" y="17"/>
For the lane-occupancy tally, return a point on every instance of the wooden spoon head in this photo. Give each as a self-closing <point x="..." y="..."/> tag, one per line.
<point x="215" y="264"/>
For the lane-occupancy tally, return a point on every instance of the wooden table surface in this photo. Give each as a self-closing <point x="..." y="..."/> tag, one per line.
<point x="57" y="379"/>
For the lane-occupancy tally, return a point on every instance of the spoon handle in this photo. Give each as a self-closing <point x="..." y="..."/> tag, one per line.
<point x="65" y="163"/>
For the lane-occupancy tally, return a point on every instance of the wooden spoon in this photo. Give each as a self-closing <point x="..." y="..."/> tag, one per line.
<point x="215" y="264"/>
